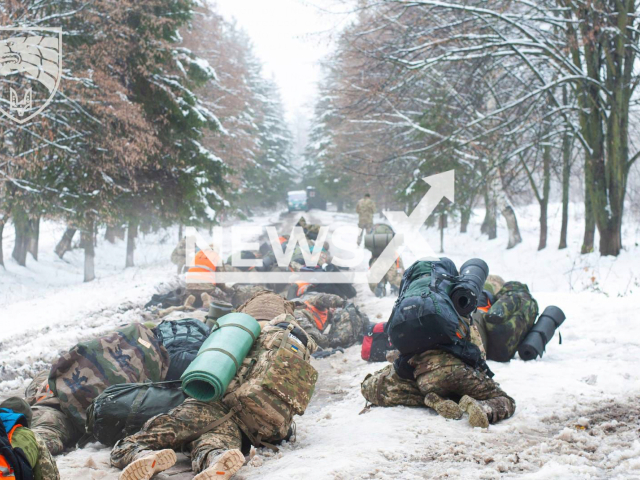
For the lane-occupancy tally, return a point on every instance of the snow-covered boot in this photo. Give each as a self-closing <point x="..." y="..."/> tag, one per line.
<point x="477" y="415"/>
<point x="148" y="464"/>
<point x="188" y="303"/>
<point x="206" y="300"/>
<point x="445" y="408"/>
<point x="225" y="467"/>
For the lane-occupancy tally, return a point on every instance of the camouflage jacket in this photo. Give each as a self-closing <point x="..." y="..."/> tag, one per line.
<point x="433" y="360"/>
<point x="130" y="355"/>
<point x="331" y="321"/>
<point x="365" y="209"/>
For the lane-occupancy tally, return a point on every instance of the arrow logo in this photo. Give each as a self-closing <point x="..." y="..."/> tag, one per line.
<point x="442" y="186"/>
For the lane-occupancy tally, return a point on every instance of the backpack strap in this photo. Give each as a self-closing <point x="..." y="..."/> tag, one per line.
<point x="215" y="326"/>
<point x="212" y="426"/>
<point x="222" y="350"/>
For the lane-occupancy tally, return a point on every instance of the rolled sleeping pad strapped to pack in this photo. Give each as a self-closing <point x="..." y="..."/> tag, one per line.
<point x="541" y="333"/>
<point x="220" y="357"/>
<point x="468" y="289"/>
<point x="377" y="242"/>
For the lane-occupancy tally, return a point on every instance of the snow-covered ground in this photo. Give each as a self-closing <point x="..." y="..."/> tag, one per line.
<point x="592" y="380"/>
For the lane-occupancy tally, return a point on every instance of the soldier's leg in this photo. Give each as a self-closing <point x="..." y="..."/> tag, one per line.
<point x="167" y="431"/>
<point x="386" y="389"/>
<point x="46" y="464"/>
<point x="485" y="401"/>
<point x="444" y="407"/>
<point x="54" y="428"/>
<point x="207" y="450"/>
<point x="348" y="327"/>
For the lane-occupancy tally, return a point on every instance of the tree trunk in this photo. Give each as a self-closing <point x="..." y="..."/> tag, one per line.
<point x="34" y="238"/>
<point x="489" y="224"/>
<point x="110" y="234"/>
<point x="443" y="224"/>
<point x="567" y="148"/>
<point x="509" y="215"/>
<point x="2" y="222"/>
<point x="566" y="184"/>
<point x="131" y="243"/>
<point x="180" y="233"/>
<point x="21" y="244"/>
<point x="119" y="232"/>
<point x="589" y="226"/>
<point x="86" y="241"/>
<point x="64" y="245"/>
<point x="544" y="199"/>
<point x="465" y="217"/>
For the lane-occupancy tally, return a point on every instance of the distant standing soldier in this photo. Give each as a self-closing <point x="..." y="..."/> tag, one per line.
<point x="179" y="254"/>
<point x="365" y="209"/>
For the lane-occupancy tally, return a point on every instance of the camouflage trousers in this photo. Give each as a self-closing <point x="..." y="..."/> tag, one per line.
<point x="393" y="277"/>
<point x="54" y="428"/>
<point x="176" y="430"/>
<point x="450" y="380"/>
<point x="46" y="465"/>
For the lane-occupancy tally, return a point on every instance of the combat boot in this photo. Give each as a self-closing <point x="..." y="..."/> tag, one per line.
<point x="148" y="464"/>
<point x="477" y="415"/>
<point x="226" y="466"/>
<point x="445" y="408"/>
<point x="206" y="300"/>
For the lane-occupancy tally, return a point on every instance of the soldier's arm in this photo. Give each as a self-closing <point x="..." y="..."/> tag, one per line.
<point x="308" y="326"/>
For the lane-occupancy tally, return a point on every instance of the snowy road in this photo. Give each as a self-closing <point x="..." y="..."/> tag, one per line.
<point x="578" y="408"/>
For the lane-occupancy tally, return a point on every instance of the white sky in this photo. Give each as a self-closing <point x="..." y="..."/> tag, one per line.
<point x="291" y="37"/>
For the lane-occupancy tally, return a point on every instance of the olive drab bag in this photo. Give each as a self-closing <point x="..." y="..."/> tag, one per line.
<point x="275" y="382"/>
<point x="129" y="355"/>
<point x="508" y="321"/>
<point x="424" y="318"/>
<point x="122" y="410"/>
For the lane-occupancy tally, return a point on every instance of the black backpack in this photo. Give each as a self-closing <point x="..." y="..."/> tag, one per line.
<point x="182" y="339"/>
<point x="424" y="318"/>
<point x="122" y="410"/>
<point x="14" y="458"/>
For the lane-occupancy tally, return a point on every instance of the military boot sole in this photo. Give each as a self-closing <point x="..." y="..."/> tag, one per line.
<point x="146" y="467"/>
<point x="445" y="408"/>
<point x="477" y="416"/>
<point x="225" y="468"/>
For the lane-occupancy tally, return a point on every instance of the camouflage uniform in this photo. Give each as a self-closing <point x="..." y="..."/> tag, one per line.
<point x="179" y="254"/>
<point x="177" y="429"/>
<point x="365" y="210"/>
<point x="438" y="377"/>
<point x="49" y="424"/>
<point x="393" y="277"/>
<point x="345" y="323"/>
<point x="182" y="426"/>
<point x="507" y="321"/>
<point x="46" y="467"/>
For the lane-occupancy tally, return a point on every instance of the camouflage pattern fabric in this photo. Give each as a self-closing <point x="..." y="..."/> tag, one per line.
<point x="46" y="468"/>
<point x="386" y="389"/>
<point x="54" y="428"/>
<point x="393" y="277"/>
<point x="493" y="284"/>
<point x="243" y="293"/>
<point x="176" y="429"/>
<point x="508" y="321"/>
<point x="275" y="382"/>
<point x="365" y="208"/>
<point x="130" y="355"/>
<point x="444" y="375"/>
<point x="345" y="326"/>
<point x="448" y="376"/>
<point x="39" y="393"/>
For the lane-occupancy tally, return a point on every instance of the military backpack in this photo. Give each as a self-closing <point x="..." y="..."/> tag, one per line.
<point x="275" y="382"/>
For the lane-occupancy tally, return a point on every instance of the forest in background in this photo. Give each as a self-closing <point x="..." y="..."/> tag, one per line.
<point x="518" y="97"/>
<point x="164" y="117"/>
